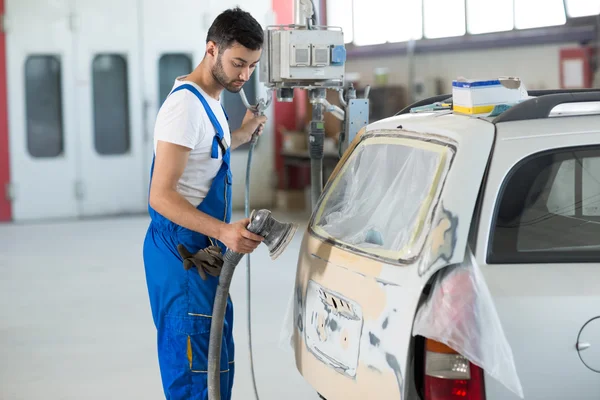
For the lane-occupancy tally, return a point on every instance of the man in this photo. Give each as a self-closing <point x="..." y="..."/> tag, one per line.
<point x="190" y="207"/>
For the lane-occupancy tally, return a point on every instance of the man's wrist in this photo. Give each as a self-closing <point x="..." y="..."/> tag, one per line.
<point x="221" y="230"/>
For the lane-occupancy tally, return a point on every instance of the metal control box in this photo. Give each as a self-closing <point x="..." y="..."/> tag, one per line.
<point x="303" y="58"/>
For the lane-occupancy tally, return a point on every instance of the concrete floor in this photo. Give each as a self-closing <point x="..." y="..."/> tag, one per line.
<point x="75" y="321"/>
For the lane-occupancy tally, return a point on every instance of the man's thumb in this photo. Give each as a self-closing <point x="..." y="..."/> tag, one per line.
<point x="245" y="222"/>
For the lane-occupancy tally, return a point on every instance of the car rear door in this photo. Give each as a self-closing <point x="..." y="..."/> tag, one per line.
<point x="538" y="244"/>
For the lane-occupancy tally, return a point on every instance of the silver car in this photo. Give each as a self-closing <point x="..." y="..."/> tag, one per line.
<point x="419" y="205"/>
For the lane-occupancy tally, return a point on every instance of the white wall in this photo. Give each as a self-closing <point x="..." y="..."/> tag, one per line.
<point x="85" y="182"/>
<point x="263" y="164"/>
<point x="537" y="66"/>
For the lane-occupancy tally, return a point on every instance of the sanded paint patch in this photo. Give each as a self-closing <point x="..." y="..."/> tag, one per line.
<point x="379" y="364"/>
<point x="333" y="328"/>
<point x="337" y="256"/>
<point x="387" y="312"/>
<point x="441" y="242"/>
<point x="443" y="236"/>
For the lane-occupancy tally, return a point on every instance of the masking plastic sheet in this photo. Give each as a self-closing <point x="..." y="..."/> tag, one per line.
<point x="460" y="313"/>
<point x="378" y="202"/>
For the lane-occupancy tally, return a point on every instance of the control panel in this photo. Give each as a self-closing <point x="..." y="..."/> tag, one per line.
<point x="302" y="58"/>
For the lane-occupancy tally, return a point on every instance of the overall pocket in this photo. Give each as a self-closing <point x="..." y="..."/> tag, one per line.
<point x="186" y="341"/>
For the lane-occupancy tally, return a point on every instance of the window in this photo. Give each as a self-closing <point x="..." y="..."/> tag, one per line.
<point x="582" y="8"/>
<point x="43" y="106"/>
<point x="444" y="18"/>
<point x="235" y="108"/>
<point x="171" y="66"/>
<point x="366" y="12"/>
<point x="406" y="18"/>
<point x="111" y="104"/>
<point x="549" y="210"/>
<point x="382" y="197"/>
<point x="403" y="19"/>
<point x="539" y="13"/>
<point x="339" y="13"/>
<point x="480" y="19"/>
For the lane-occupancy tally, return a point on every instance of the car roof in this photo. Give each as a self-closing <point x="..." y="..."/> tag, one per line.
<point x="540" y="106"/>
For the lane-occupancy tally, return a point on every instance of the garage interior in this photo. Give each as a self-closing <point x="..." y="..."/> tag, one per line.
<point x="81" y="82"/>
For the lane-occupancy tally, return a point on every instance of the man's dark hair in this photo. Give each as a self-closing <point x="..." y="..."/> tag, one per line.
<point x="236" y="25"/>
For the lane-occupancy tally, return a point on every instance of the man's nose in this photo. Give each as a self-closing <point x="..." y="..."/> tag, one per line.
<point x="245" y="74"/>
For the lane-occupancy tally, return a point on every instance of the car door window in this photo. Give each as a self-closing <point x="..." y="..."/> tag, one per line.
<point x="549" y="210"/>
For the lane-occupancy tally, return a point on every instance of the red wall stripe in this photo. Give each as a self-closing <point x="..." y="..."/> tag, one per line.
<point x="5" y="209"/>
<point x="288" y="115"/>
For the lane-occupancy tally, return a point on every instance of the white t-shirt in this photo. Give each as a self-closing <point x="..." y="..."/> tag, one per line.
<point x="182" y="120"/>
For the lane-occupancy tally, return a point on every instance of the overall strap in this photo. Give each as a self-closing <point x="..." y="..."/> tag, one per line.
<point x="219" y="139"/>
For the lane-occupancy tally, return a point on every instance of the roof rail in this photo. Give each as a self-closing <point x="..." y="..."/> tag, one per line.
<point x="424" y="102"/>
<point x="529" y="109"/>
<point x="544" y="102"/>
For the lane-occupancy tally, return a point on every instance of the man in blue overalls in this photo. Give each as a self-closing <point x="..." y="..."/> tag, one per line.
<point x="190" y="207"/>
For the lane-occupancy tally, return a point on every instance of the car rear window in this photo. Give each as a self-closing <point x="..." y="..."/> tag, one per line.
<point x="381" y="200"/>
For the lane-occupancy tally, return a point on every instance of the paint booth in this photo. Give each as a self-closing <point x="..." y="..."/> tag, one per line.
<point x="85" y="80"/>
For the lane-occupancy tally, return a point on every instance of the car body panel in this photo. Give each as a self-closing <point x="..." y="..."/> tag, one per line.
<point x="542" y="307"/>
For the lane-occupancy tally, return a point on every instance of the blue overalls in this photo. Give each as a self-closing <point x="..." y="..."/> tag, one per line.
<point x="180" y="300"/>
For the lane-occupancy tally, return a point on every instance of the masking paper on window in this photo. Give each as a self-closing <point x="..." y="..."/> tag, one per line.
<point x="379" y="202"/>
<point x="460" y="313"/>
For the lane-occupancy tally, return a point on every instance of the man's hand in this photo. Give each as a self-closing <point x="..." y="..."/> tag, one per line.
<point x="237" y="238"/>
<point x="249" y="125"/>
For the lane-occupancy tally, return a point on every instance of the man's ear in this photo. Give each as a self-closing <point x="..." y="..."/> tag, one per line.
<point x="212" y="49"/>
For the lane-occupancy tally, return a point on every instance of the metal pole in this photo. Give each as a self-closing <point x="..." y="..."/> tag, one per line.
<point x="411" y="70"/>
<point x="316" y="141"/>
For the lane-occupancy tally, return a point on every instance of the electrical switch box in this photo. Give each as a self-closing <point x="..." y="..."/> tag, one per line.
<point x="303" y="58"/>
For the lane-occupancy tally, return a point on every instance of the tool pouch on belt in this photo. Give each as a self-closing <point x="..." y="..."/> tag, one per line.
<point x="207" y="261"/>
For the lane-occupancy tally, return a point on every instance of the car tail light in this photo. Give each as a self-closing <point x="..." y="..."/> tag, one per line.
<point x="450" y="376"/>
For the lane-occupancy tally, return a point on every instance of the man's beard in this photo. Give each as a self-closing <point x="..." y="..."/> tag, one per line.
<point x="219" y="74"/>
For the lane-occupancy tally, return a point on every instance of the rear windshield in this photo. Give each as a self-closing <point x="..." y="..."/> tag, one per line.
<point x="382" y="198"/>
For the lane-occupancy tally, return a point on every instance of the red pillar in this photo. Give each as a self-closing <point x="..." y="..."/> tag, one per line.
<point x="5" y="209"/>
<point x="287" y="115"/>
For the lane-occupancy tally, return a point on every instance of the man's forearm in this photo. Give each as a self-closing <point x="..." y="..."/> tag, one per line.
<point x="237" y="139"/>
<point x="177" y="209"/>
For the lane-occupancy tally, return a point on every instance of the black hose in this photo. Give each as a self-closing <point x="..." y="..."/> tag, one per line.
<point x="230" y="260"/>
<point x="316" y="180"/>
<point x="317" y="142"/>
